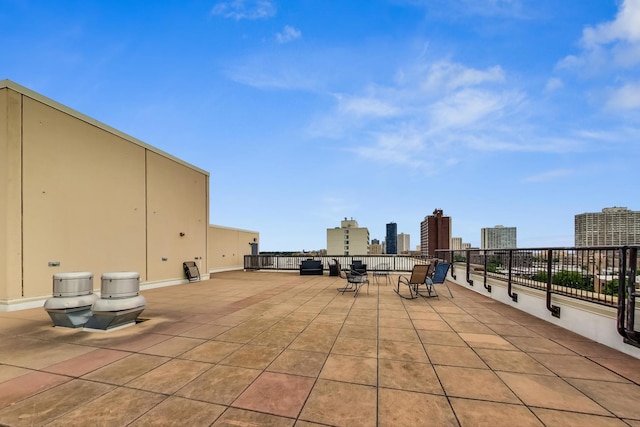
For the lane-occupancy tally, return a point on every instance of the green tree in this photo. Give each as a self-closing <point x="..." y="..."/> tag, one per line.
<point x="572" y="279"/>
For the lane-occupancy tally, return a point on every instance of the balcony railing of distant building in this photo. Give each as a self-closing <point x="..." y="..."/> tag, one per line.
<point x="602" y="275"/>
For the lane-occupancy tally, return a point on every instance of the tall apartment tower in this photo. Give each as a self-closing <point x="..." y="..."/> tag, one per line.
<point x="456" y="243"/>
<point x="349" y="239"/>
<point x="435" y="233"/>
<point x="375" y="248"/>
<point x="498" y="237"/>
<point x="404" y="244"/>
<point x="392" y="238"/>
<point x="612" y="226"/>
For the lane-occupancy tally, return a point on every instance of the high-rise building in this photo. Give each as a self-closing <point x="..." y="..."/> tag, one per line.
<point x="498" y="237"/>
<point x="375" y="248"/>
<point x="392" y="238"/>
<point x="404" y="244"/>
<point x="456" y="243"/>
<point x="348" y="239"/>
<point x="612" y="226"/>
<point x="435" y="233"/>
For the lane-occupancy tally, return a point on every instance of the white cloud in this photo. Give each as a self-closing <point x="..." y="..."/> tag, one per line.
<point x="626" y="27"/>
<point x="244" y="9"/>
<point x="626" y="97"/>
<point x="470" y="106"/>
<point x="610" y="45"/>
<point x="452" y="76"/>
<point x="288" y="34"/>
<point x="365" y="106"/>
<point x="402" y="148"/>
<point x="611" y="50"/>
<point x="554" y="84"/>
<point x="436" y="109"/>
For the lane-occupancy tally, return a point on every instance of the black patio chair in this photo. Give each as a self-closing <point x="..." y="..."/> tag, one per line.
<point x="355" y="280"/>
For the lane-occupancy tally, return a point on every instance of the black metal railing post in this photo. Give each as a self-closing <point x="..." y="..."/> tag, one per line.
<point x="627" y="291"/>
<point x="554" y="309"/>
<point x="486" y="285"/>
<point x="513" y="295"/>
<point x="468" y="256"/>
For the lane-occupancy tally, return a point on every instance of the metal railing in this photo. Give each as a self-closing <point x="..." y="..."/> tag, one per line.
<point x="399" y="263"/>
<point x="602" y="275"/>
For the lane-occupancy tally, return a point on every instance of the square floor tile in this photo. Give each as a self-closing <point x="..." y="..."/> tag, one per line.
<point x="221" y="384"/>
<point x="234" y="417"/>
<point x="479" y="413"/>
<point x="168" y="378"/>
<point x="353" y="369"/>
<point x="126" y="369"/>
<point x="211" y="351"/>
<point x="340" y="404"/>
<point x="569" y="366"/>
<point x="27" y="385"/>
<point x="490" y="341"/>
<point x="52" y="403"/>
<point x="362" y="347"/>
<point x="179" y="412"/>
<point x="512" y="361"/>
<point x="296" y="362"/>
<point x="407" y="408"/>
<point x="441" y="338"/>
<point x="471" y="383"/>
<point x="454" y="356"/>
<point x="276" y="394"/>
<point x="406" y="375"/>
<point x="550" y="392"/>
<point x="252" y="356"/>
<point x="87" y="362"/>
<point x="539" y="345"/>
<point x="398" y="334"/>
<point x="561" y="418"/>
<point x="398" y="350"/>
<point x="116" y="408"/>
<point x="173" y="347"/>
<point x="621" y="399"/>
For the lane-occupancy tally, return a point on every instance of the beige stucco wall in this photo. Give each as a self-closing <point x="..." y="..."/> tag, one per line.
<point x="228" y="246"/>
<point x="177" y="199"/>
<point x="10" y="195"/>
<point x="91" y="198"/>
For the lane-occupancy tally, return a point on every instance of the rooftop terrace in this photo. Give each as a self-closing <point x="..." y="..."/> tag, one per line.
<point x="269" y="348"/>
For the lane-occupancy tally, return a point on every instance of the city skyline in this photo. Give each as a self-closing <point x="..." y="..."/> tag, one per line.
<point x="515" y="112"/>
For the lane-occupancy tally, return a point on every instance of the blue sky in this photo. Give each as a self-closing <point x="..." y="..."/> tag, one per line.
<point x="522" y="113"/>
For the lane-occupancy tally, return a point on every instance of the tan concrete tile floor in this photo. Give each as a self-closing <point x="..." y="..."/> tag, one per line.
<point x="279" y="349"/>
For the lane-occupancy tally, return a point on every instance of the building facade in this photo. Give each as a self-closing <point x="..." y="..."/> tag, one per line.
<point x="498" y="237"/>
<point x="391" y="239"/>
<point x="375" y="248"/>
<point x="404" y="243"/>
<point x="348" y="239"/>
<point x="456" y="243"/>
<point x="79" y="195"/>
<point x="435" y="233"/>
<point x="612" y="226"/>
